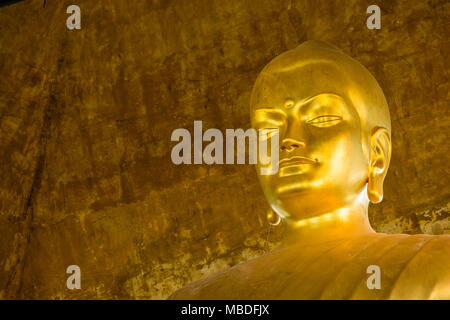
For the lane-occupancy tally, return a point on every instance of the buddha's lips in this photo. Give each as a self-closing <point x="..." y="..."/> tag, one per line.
<point x="294" y="160"/>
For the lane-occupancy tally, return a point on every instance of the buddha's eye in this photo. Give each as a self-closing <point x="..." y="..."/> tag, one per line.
<point x="325" y="121"/>
<point x="266" y="133"/>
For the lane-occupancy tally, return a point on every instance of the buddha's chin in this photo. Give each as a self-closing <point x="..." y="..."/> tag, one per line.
<point x="291" y="187"/>
<point x="303" y="201"/>
<point x="296" y="211"/>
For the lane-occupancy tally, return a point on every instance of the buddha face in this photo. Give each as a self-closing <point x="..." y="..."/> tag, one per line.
<point x="322" y="165"/>
<point x="330" y="146"/>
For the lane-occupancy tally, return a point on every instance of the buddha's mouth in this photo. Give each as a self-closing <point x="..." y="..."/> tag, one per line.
<point x="294" y="165"/>
<point x="295" y="160"/>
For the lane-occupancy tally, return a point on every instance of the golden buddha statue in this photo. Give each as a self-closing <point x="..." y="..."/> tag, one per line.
<point x="335" y="147"/>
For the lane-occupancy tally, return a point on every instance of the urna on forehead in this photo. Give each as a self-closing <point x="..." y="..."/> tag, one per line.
<point x="316" y="67"/>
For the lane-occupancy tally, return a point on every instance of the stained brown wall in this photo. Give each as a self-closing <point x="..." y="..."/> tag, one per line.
<point x="86" y="118"/>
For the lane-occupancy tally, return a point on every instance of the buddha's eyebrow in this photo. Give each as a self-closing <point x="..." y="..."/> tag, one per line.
<point x="260" y="112"/>
<point x="320" y="96"/>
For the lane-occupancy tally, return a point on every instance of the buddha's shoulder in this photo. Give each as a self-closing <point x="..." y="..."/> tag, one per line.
<point x="418" y="267"/>
<point x="208" y="288"/>
<point x="418" y="246"/>
<point x="410" y="265"/>
<point x="410" y="252"/>
<point x="227" y="284"/>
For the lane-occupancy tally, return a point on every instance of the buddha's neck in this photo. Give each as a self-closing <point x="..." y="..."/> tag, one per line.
<point x="338" y="224"/>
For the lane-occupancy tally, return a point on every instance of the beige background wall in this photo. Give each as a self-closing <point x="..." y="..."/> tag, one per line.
<point x="86" y="118"/>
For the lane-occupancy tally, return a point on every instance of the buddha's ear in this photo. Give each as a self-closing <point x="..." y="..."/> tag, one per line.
<point x="379" y="158"/>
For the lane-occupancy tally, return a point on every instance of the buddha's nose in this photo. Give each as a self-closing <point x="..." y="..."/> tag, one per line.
<point x="290" y="145"/>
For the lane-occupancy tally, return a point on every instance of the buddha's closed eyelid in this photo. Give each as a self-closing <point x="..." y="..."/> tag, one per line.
<point x="323" y="121"/>
<point x="269" y="115"/>
<point x="266" y="133"/>
<point x="265" y="120"/>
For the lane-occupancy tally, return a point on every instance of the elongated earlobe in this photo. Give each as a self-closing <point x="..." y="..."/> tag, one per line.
<point x="380" y="156"/>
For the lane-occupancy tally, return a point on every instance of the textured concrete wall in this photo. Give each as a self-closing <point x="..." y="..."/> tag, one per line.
<point x="86" y="118"/>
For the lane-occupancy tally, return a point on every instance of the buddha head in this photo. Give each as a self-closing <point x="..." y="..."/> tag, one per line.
<point x="334" y="131"/>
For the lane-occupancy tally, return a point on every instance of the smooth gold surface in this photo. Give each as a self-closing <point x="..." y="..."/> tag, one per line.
<point x="335" y="149"/>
